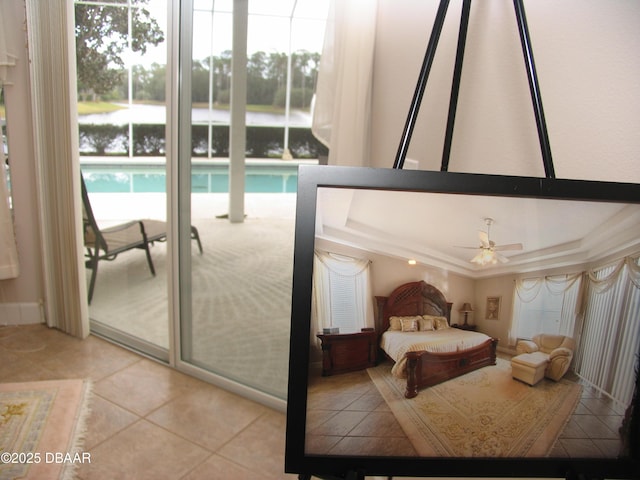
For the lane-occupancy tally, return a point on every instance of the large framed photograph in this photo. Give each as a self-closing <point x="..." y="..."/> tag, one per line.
<point x="365" y="380"/>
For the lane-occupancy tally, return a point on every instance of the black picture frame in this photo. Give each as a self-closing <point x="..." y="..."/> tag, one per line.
<point x="310" y="180"/>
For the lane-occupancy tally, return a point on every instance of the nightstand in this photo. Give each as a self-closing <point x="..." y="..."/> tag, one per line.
<point x="346" y="352"/>
<point x="468" y="326"/>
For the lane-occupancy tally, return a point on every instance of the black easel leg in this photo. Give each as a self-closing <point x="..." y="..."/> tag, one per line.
<point x="535" y="88"/>
<point x="455" y="86"/>
<point x="532" y="76"/>
<point x="422" y="82"/>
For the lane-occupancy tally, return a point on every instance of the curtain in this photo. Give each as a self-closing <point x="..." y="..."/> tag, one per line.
<point x="50" y="28"/>
<point x="9" y="265"/>
<point x="336" y="275"/>
<point x="342" y="109"/>
<point x="607" y="355"/>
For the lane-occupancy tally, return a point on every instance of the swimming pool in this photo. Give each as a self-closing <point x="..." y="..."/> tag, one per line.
<point x="266" y="176"/>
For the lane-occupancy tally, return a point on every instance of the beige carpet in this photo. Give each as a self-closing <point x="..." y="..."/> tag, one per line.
<point x="484" y="413"/>
<point x="41" y="428"/>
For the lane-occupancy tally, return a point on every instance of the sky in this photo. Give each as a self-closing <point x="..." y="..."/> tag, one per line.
<point x="268" y="27"/>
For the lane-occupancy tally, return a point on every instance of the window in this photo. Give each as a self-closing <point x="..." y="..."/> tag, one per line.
<point x="9" y="266"/>
<point x="121" y="58"/>
<point x="283" y="55"/>
<point x="342" y="293"/>
<point x="545" y="305"/>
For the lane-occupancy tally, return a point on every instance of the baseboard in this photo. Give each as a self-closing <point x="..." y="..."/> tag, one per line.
<point x="20" y="313"/>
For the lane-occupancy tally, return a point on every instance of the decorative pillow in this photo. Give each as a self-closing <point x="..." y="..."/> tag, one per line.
<point x="432" y="318"/>
<point x="426" y="323"/>
<point x="441" y="323"/>
<point x="394" y="322"/>
<point x="409" y="324"/>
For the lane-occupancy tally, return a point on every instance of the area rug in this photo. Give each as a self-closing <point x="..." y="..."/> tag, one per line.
<point x="485" y="413"/>
<point x="41" y="428"/>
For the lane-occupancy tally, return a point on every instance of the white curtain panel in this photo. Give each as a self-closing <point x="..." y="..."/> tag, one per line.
<point x="607" y="353"/>
<point x="50" y="27"/>
<point x="342" y="109"/>
<point x="9" y="265"/>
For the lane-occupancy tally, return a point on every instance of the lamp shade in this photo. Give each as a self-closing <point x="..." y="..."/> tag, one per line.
<point x="466" y="308"/>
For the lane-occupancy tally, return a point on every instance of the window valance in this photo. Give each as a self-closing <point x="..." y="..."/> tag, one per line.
<point x="601" y="285"/>
<point x="342" y="265"/>
<point x="529" y="288"/>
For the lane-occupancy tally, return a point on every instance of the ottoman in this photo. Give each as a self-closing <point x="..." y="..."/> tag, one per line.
<point x="529" y="367"/>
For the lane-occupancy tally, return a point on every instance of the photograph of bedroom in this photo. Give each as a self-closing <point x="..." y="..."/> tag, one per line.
<point x="459" y="326"/>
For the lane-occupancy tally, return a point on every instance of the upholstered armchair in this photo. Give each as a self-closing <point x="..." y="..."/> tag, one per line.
<point x="558" y="349"/>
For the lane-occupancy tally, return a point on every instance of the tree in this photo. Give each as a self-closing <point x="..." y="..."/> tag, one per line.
<point x="200" y="82"/>
<point x="156" y="81"/>
<point x="102" y="39"/>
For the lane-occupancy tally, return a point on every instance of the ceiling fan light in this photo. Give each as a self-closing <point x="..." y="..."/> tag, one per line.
<point x="485" y="257"/>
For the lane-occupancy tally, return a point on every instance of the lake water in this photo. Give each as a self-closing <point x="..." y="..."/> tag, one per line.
<point x="156" y="114"/>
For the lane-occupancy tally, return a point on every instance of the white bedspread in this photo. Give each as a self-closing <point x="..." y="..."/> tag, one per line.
<point x="397" y="343"/>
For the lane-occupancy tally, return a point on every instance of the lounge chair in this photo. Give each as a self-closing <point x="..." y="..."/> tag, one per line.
<point x="107" y="243"/>
<point x="555" y="350"/>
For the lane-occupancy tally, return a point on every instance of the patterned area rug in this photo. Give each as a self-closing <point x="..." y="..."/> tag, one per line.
<point x="485" y="413"/>
<point x="41" y="427"/>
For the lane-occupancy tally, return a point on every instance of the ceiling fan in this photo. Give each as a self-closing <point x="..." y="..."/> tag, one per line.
<point x="488" y="250"/>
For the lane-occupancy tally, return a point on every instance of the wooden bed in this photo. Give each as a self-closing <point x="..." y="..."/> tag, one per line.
<point x="426" y="368"/>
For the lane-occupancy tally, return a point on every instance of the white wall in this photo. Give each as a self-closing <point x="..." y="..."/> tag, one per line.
<point x="586" y="53"/>
<point x="502" y="287"/>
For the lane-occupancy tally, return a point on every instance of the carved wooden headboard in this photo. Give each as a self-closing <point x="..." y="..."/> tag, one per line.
<point x="414" y="298"/>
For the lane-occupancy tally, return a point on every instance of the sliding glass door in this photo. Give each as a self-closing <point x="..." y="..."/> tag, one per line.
<point x="198" y="113"/>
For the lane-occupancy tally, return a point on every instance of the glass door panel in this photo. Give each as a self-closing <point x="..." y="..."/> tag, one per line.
<point x="122" y="134"/>
<point x="240" y="295"/>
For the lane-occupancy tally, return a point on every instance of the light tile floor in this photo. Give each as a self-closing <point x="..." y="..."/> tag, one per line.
<point x="149" y="421"/>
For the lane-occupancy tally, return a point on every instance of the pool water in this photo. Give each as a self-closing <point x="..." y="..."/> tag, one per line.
<point x="204" y="179"/>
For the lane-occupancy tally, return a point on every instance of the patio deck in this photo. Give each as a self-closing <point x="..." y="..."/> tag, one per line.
<point x="242" y="283"/>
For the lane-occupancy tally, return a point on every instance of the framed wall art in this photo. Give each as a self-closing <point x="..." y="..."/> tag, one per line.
<point x="492" y="311"/>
